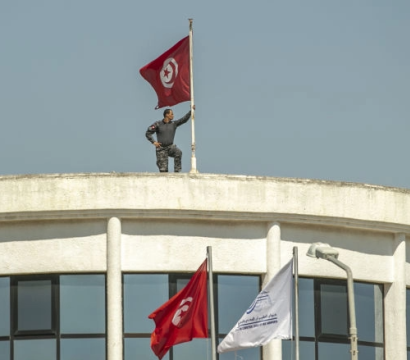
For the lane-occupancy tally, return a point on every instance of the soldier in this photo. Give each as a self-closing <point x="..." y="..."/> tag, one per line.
<point x="165" y="147"/>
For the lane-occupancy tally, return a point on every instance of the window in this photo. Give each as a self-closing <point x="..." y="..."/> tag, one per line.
<point x="52" y="317"/>
<point x="4" y="318"/>
<point x="324" y="320"/>
<point x="235" y="293"/>
<point x="82" y="304"/>
<point x="34" y="305"/>
<point x="333" y="312"/>
<point x="408" y="322"/>
<point x="82" y="317"/>
<point x="143" y="293"/>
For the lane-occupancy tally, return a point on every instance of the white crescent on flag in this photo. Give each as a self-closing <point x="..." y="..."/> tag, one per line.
<point x="169" y="72"/>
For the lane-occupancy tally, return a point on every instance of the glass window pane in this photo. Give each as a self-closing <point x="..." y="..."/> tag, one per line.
<point x="306" y="308"/>
<point x="306" y="350"/>
<point x="198" y="349"/>
<point x="5" y="350"/>
<point x="408" y="316"/>
<point x="140" y="349"/>
<point x="44" y="349"/>
<point x="369" y="311"/>
<point x="181" y="283"/>
<point x="143" y="294"/>
<point x="334" y="351"/>
<point x="90" y="349"/>
<point x="4" y="306"/>
<point x="82" y="304"/>
<point x="34" y="304"/>
<point x="342" y="351"/>
<point x="333" y="309"/>
<point x="235" y="295"/>
<point x="250" y="354"/>
<point x="370" y="353"/>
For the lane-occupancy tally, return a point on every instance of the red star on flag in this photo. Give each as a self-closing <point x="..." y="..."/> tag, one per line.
<point x="166" y="72"/>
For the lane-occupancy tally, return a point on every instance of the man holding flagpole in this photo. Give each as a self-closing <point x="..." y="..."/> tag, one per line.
<point x="171" y="76"/>
<point x="165" y="131"/>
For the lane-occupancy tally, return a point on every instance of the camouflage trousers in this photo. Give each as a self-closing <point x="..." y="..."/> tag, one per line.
<point x="162" y="157"/>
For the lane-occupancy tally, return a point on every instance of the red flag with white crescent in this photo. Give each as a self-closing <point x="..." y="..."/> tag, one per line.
<point x="169" y="75"/>
<point x="183" y="317"/>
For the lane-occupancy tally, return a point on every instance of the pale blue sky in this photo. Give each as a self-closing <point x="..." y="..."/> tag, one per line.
<point x="292" y="88"/>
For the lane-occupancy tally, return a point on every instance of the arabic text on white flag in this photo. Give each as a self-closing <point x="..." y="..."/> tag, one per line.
<point x="269" y="316"/>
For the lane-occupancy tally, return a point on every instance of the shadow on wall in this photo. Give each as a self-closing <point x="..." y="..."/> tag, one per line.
<point x="50" y="230"/>
<point x="368" y="242"/>
<point x="203" y="229"/>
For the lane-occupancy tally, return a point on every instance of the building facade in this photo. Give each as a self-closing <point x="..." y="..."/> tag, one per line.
<point x="85" y="258"/>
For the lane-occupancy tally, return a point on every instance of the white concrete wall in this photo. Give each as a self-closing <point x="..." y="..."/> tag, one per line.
<point x="155" y="245"/>
<point x="52" y="246"/>
<point x="368" y="253"/>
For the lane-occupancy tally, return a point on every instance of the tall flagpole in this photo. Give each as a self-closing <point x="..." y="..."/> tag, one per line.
<point x="211" y="301"/>
<point x="296" y="290"/>
<point x="191" y="75"/>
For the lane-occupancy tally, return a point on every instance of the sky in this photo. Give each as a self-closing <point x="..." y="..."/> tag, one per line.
<point x="316" y="89"/>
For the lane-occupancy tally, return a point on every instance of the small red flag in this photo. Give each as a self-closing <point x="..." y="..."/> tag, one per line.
<point x="183" y="317"/>
<point x="169" y="75"/>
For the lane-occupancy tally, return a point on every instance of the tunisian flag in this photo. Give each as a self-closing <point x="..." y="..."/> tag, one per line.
<point x="169" y="75"/>
<point x="183" y="317"/>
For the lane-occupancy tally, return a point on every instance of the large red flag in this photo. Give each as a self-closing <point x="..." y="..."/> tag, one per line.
<point x="183" y="317"/>
<point x="169" y="75"/>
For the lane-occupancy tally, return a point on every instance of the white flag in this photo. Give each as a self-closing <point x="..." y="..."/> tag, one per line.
<point x="269" y="316"/>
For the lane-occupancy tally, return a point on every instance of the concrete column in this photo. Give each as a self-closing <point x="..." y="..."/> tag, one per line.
<point x="395" y="304"/>
<point x="114" y="291"/>
<point x="273" y="350"/>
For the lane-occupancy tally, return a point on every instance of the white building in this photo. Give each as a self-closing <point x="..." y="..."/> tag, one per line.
<point x="85" y="258"/>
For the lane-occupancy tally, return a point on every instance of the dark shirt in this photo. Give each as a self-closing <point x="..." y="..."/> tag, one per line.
<point x="165" y="131"/>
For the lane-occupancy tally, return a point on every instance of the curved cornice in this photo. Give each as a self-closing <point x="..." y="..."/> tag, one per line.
<point x="204" y="197"/>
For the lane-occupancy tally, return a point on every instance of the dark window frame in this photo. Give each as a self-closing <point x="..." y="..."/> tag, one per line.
<point x="320" y="337"/>
<point x="407" y="318"/>
<point x="14" y="283"/>
<point x="55" y="332"/>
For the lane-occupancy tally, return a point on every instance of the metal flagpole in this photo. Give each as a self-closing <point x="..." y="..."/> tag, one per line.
<point x="211" y="301"/>
<point x="191" y="72"/>
<point x="296" y="290"/>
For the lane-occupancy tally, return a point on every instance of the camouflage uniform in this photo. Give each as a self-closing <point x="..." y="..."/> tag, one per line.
<point x="165" y="135"/>
<point x="162" y="157"/>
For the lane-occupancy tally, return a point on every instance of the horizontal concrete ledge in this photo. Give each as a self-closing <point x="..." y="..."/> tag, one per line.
<point x="203" y="197"/>
<point x="76" y="176"/>
<point x="184" y="215"/>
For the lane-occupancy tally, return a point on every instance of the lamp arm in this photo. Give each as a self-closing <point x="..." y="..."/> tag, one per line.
<point x="352" y="311"/>
<point x="350" y="289"/>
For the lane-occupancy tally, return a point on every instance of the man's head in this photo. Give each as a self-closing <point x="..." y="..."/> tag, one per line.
<point x="168" y="115"/>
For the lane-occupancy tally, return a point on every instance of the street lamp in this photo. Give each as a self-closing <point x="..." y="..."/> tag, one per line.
<point x="325" y="251"/>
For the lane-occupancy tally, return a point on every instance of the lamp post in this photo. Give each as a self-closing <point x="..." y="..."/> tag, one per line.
<point x="325" y="251"/>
